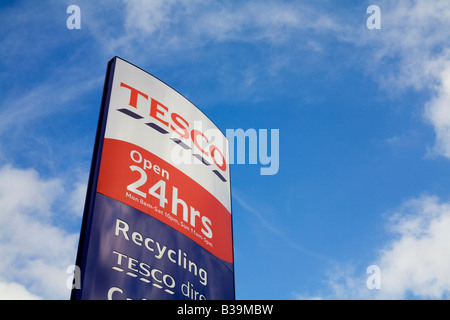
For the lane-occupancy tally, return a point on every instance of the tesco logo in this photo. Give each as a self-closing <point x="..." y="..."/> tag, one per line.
<point x="164" y="121"/>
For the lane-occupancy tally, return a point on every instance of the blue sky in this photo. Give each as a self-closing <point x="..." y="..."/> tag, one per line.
<point x="363" y="117"/>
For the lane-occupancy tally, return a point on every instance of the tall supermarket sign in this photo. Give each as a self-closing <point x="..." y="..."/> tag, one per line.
<point x="157" y="221"/>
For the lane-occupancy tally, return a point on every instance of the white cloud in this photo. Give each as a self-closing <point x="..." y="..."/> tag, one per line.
<point x="437" y="112"/>
<point x="414" y="264"/>
<point x="14" y="291"/>
<point x="78" y="195"/>
<point x="35" y="248"/>
<point x="418" y="260"/>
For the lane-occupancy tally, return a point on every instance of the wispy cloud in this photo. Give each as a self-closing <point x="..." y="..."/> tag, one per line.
<point x="19" y="111"/>
<point x="276" y="231"/>
<point x="184" y="26"/>
<point x="272" y="21"/>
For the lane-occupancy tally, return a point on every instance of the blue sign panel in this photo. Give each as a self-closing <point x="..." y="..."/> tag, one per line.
<point x="134" y="256"/>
